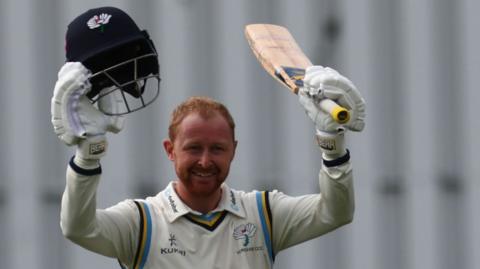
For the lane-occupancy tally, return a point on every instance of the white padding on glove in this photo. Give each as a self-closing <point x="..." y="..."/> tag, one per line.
<point x="326" y="83"/>
<point x="76" y="121"/>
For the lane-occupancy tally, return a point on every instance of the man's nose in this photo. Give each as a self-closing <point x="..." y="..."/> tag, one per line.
<point x="205" y="159"/>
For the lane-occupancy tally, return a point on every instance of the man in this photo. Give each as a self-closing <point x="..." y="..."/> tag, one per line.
<point x="197" y="220"/>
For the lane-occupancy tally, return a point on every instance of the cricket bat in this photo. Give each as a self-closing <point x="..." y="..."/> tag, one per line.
<point x="279" y="54"/>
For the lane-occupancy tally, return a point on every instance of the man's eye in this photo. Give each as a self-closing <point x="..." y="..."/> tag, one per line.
<point x="218" y="148"/>
<point x="193" y="148"/>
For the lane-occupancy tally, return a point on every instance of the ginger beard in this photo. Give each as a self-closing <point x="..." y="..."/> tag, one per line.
<point x="202" y="153"/>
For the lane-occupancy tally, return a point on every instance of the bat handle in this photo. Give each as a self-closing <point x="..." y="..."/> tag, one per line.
<point x="338" y="113"/>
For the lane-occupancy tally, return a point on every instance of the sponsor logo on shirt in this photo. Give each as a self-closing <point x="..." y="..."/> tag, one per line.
<point x="173" y="249"/>
<point x="168" y="194"/>
<point x="172" y="204"/>
<point x="259" y="248"/>
<point x="173" y="240"/>
<point x="233" y="201"/>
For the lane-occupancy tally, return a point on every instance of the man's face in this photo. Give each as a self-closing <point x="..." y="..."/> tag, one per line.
<point x="202" y="152"/>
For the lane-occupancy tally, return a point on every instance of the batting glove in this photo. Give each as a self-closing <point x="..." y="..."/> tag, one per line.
<point x="326" y="83"/>
<point x="76" y="121"/>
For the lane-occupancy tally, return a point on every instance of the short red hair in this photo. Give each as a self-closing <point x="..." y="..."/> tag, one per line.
<point x="206" y="107"/>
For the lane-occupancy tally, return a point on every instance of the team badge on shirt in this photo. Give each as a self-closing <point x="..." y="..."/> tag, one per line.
<point x="244" y="232"/>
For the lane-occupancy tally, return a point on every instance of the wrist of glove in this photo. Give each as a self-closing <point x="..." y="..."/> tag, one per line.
<point x="332" y="144"/>
<point x="92" y="147"/>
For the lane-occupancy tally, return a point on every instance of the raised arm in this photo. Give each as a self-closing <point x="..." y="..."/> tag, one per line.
<point x="77" y="122"/>
<point x="297" y="219"/>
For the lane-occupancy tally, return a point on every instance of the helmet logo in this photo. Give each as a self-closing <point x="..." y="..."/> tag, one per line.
<point x="99" y="21"/>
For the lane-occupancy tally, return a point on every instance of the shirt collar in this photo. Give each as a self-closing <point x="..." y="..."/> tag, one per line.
<point x="176" y="208"/>
<point x="231" y="202"/>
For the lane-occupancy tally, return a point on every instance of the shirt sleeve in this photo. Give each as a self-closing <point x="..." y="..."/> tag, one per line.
<point x="111" y="232"/>
<point x="297" y="219"/>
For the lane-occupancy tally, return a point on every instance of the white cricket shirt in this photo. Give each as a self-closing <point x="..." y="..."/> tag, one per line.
<point x="246" y="230"/>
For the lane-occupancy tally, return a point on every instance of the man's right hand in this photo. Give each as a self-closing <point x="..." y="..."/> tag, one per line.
<point x="76" y="121"/>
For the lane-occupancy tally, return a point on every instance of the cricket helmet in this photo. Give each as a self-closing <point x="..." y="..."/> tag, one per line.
<point x="121" y="57"/>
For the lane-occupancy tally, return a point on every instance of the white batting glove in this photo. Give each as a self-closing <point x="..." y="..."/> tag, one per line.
<point x="76" y="121"/>
<point x="326" y="83"/>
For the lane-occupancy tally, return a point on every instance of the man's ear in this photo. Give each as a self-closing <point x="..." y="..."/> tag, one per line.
<point x="168" y="146"/>
<point x="234" y="148"/>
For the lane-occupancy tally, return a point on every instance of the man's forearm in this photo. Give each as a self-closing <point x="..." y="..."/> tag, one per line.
<point x="79" y="200"/>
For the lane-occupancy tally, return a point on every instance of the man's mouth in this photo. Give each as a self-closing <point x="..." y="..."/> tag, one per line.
<point x="203" y="174"/>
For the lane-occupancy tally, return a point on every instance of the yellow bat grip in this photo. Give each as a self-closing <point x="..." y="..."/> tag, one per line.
<point x="338" y="113"/>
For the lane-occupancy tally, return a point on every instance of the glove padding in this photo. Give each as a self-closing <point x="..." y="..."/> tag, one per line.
<point x="76" y="121"/>
<point x="326" y="83"/>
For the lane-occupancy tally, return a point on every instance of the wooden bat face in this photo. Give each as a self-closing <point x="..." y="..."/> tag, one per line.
<point x="278" y="53"/>
<point x="282" y="58"/>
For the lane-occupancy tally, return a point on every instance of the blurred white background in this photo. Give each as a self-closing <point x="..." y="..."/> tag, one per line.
<point x="416" y="167"/>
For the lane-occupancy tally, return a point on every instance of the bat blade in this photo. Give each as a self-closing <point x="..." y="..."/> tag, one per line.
<point x="279" y="54"/>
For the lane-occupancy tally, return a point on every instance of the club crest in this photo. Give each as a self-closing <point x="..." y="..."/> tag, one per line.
<point x="98" y="21"/>
<point x="244" y="232"/>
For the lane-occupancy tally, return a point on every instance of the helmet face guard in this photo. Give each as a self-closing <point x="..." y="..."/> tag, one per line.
<point x="137" y="92"/>
<point x="130" y="71"/>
